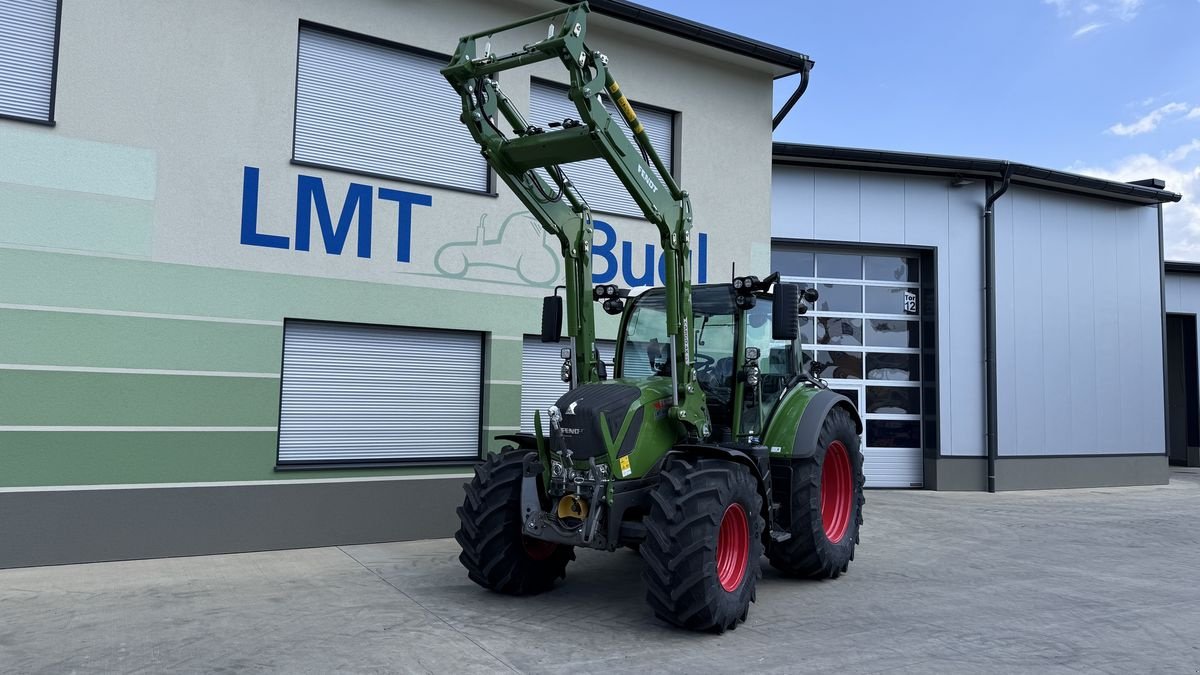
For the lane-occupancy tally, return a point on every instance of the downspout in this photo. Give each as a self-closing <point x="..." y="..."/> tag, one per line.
<point x="800" y="89"/>
<point x="989" y="321"/>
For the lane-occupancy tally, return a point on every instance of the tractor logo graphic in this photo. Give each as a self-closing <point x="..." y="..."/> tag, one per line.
<point x="571" y="408"/>
<point x="521" y="252"/>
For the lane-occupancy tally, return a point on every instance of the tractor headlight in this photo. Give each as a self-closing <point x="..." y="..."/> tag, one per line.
<point x="565" y="372"/>
<point x="752" y="376"/>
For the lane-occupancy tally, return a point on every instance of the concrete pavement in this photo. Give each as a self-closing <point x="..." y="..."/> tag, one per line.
<point x="1065" y="581"/>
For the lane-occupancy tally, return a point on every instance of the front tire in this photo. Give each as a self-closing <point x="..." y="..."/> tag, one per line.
<point x="703" y="544"/>
<point x="826" y="504"/>
<point x="496" y="553"/>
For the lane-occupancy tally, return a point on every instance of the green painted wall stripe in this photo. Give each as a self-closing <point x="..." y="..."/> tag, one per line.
<point x="102" y="341"/>
<point x="46" y="158"/>
<point x="135" y="371"/>
<point x="58" y="459"/>
<point x="138" y="315"/>
<point x="75" y="220"/>
<point x="102" y="399"/>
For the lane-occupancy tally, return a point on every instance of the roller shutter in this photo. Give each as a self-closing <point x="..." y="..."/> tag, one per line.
<point x="382" y="110"/>
<point x="354" y="393"/>
<point x="541" y="384"/>
<point x="27" y="36"/>
<point x="594" y="179"/>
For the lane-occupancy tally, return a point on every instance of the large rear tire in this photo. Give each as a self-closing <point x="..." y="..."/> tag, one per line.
<point x="495" y="552"/>
<point x="826" y="504"/>
<point x="703" y="544"/>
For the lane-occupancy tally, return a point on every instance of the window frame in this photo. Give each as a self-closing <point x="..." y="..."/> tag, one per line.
<point x="49" y="121"/>
<point x="489" y="190"/>
<point x="673" y="160"/>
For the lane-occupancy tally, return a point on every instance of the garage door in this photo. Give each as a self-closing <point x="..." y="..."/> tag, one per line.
<point x="354" y="393"/>
<point x="541" y="383"/>
<point x="866" y="329"/>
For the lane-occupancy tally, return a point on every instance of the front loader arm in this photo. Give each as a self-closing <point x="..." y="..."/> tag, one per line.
<point x="556" y="204"/>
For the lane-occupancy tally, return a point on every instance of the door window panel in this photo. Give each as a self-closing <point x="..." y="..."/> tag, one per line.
<point x="839" y="298"/>
<point x="894" y="433"/>
<point x="893" y="333"/>
<point x="841" y="365"/>
<point x="839" y="266"/>
<point x="839" y="330"/>
<point x="903" y="367"/>
<point x="894" y="400"/>
<point x="891" y="300"/>
<point x="891" y="268"/>
<point x="792" y="263"/>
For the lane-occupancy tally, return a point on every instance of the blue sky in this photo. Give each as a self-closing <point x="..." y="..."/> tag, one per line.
<point x="1103" y="87"/>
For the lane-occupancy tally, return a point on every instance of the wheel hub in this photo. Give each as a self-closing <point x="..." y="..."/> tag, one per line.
<point x="837" y="491"/>
<point x="733" y="547"/>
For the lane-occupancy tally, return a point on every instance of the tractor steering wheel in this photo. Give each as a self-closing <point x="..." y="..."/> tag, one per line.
<point x="703" y="361"/>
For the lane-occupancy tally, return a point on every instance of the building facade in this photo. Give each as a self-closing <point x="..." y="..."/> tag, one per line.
<point x="1016" y="349"/>
<point x="258" y="287"/>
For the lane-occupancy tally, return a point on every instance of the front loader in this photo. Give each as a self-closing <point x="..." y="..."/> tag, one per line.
<point x="711" y="441"/>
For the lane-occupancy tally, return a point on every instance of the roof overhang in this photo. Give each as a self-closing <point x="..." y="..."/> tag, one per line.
<point x="786" y="61"/>
<point x="965" y="167"/>
<point x="1181" y="267"/>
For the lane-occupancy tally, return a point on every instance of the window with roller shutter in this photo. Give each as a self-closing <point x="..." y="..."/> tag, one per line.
<point x="381" y="109"/>
<point x="28" y="57"/>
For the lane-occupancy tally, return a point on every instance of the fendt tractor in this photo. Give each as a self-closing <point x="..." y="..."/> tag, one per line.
<point x="711" y="441"/>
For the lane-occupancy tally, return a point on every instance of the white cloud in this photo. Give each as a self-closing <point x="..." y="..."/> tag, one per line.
<point x="1150" y="121"/>
<point x="1181" y="221"/>
<point x="1084" y="30"/>
<point x="1098" y="13"/>
<point x="1195" y="113"/>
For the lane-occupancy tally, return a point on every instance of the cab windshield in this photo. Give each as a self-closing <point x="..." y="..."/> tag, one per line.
<point x="645" y="351"/>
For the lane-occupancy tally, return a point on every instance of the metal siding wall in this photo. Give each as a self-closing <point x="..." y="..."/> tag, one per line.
<point x="960" y="326"/>
<point x="882" y="198"/>
<point x="353" y="392"/>
<point x="792" y="202"/>
<point x="1079" y="336"/>
<point x="1054" y="299"/>
<point x="27" y="57"/>
<point x="368" y="107"/>
<point x="1022" y="320"/>
<point x="851" y="207"/>
<point x="837" y="197"/>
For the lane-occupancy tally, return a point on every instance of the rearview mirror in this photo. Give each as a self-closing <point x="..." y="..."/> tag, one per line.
<point x="785" y="312"/>
<point x="552" y="313"/>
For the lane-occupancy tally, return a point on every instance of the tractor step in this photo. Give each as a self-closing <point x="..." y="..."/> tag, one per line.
<point x="780" y="536"/>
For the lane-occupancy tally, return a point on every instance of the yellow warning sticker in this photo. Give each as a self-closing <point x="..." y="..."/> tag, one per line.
<point x="625" y="470"/>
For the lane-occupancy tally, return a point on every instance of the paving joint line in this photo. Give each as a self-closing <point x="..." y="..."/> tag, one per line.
<point x="437" y="616"/>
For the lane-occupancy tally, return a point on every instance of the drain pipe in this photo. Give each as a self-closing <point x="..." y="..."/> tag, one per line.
<point x="800" y="89"/>
<point x="989" y="321"/>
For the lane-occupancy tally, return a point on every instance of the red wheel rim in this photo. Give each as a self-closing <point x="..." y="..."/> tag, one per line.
<point x="837" y="491"/>
<point x="537" y="549"/>
<point x="733" y="547"/>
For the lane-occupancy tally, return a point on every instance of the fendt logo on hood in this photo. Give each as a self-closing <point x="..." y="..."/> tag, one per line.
<point x="571" y="408"/>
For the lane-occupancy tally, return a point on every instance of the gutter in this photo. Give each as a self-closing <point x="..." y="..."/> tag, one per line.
<point x="800" y="89"/>
<point x="989" y="320"/>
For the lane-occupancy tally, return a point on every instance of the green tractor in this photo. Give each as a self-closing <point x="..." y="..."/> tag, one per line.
<point x="711" y="443"/>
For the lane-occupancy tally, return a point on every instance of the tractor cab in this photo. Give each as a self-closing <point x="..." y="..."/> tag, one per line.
<point x="741" y="369"/>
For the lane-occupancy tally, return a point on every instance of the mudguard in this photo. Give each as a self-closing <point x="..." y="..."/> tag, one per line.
<point x="796" y="426"/>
